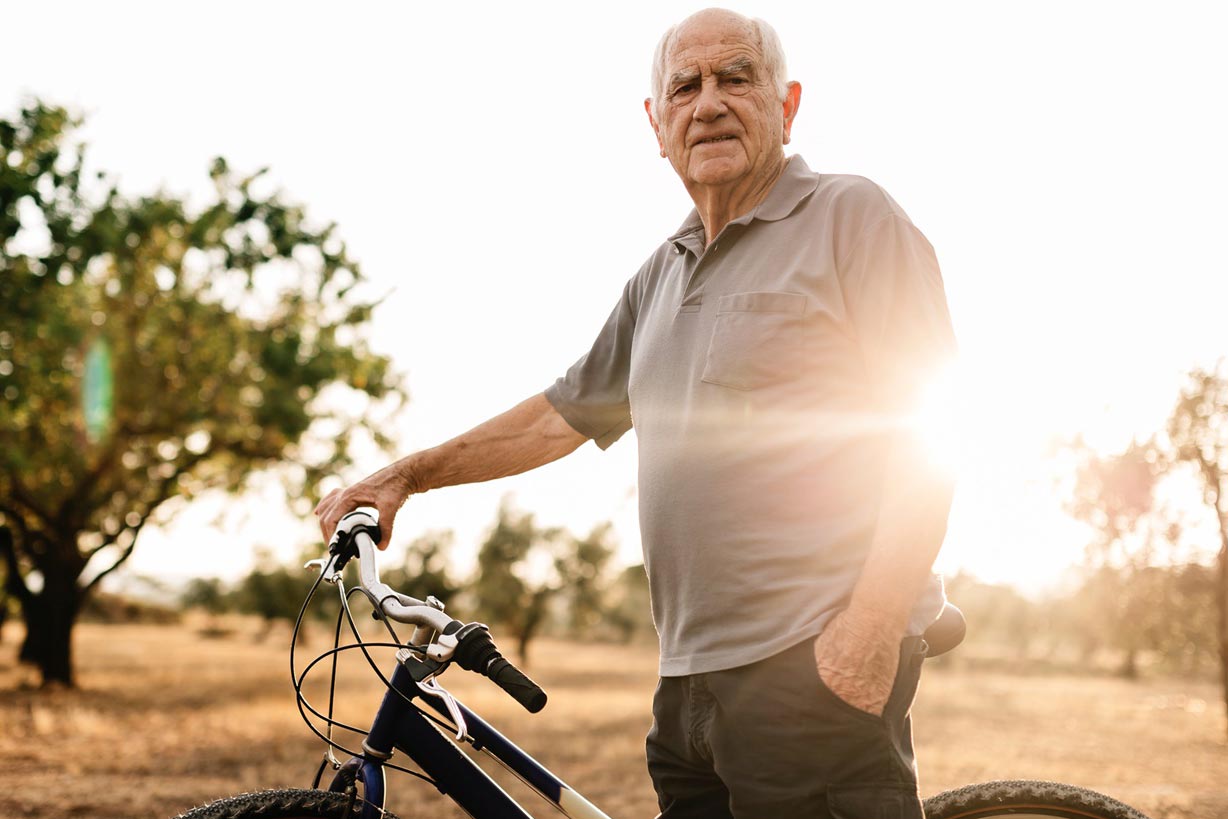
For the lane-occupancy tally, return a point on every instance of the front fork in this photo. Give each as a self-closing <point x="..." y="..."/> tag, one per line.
<point x="368" y="774"/>
<point x="362" y="777"/>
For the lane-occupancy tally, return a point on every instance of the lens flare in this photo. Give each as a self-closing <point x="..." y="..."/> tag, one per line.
<point x="96" y="391"/>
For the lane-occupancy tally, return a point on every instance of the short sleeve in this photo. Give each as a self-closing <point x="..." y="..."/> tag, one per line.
<point x="592" y="396"/>
<point x="895" y="298"/>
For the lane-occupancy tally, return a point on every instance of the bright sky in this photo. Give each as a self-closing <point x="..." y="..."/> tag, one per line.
<point x="491" y="165"/>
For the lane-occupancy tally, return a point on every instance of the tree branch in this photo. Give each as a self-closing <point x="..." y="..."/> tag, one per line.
<point x="160" y="496"/>
<point x="119" y="561"/>
<point x="23" y="497"/>
<point x="91" y="478"/>
<point x="14" y="583"/>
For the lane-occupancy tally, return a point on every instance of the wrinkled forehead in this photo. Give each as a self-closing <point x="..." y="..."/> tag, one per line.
<point x="712" y="46"/>
<point x="711" y="54"/>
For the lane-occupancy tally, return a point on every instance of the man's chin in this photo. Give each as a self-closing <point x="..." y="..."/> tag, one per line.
<point x="716" y="171"/>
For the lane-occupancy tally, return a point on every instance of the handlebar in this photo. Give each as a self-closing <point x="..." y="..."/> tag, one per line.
<point x="353" y="539"/>
<point x="469" y="644"/>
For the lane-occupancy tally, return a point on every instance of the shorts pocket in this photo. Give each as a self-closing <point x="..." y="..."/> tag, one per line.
<point x="756" y="341"/>
<point x="885" y="800"/>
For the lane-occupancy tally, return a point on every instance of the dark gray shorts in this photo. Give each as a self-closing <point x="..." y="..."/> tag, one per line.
<point x="771" y="741"/>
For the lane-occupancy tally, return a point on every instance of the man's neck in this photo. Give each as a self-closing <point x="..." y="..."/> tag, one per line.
<point x="718" y="205"/>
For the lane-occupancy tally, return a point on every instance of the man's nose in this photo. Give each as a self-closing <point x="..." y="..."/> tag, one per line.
<point x="711" y="102"/>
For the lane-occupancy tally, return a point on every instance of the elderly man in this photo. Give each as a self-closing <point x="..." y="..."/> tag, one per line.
<point x="768" y="355"/>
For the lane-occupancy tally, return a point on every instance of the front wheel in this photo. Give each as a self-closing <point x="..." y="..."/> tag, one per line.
<point x="283" y="804"/>
<point x="1026" y="800"/>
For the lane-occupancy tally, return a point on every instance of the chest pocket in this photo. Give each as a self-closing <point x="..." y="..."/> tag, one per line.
<point x="757" y="339"/>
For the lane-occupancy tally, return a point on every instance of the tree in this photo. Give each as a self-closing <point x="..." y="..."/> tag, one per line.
<point x="1116" y="496"/>
<point x="583" y="566"/>
<point x="205" y="593"/>
<point x="519" y="570"/>
<point x="149" y="351"/>
<point x="630" y="607"/>
<point x="1198" y="431"/>
<point x="425" y="570"/>
<point x="275" y="591"/>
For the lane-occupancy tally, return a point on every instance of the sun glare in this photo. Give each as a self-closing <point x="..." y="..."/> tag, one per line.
<point x="940" y="421"/>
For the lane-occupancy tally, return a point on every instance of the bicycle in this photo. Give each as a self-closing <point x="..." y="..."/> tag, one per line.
<point x="419" y="718"/>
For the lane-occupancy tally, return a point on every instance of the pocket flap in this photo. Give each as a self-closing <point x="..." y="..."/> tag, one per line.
<point x="763" y="301"/>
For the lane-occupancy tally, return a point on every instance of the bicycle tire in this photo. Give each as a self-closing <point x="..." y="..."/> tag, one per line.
<point x="1022" y="799"/>
<point x="280" y="804"/>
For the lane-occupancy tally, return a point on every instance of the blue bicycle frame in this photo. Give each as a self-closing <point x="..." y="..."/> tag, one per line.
<point x="400" y="725"/>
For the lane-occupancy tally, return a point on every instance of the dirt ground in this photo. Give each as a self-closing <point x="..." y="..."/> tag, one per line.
<point x="165" y="719"/>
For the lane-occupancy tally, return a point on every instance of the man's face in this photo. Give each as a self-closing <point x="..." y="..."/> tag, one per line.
<point x="719" y="120"/>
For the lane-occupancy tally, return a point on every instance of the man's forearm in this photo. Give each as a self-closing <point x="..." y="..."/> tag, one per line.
<point x="858" y="651"/>
<point x="912" y="523"/>
<point x="527" y="436"/>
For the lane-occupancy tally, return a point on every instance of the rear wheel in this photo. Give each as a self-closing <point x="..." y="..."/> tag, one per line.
<point x="1026" y="800"/>
<point x="283" y="804"/>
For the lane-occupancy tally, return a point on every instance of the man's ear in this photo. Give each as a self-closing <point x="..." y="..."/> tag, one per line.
<point x="793" y="101"/>
<point x="655" y="128"/>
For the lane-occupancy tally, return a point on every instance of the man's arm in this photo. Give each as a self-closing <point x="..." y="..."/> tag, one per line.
<point x="858" y="652"/>
<point x="530" y="434"/>
<point x="898" y="305"/>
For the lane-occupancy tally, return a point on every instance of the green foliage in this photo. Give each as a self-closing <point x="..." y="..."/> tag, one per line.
<point x="1138" y="590"/>
<point x="583" y="566"/>
<point x="425" y="571"/>
<point x="205" y="593"/>
<point x="1163" y="620"/>
<point x="629" y="608"/>
<point x="518" y="573"/>
<point x="1198" y="430"/>
<point x="523" y="568"/>
<point x="997" y="615"/>
<point x="276" y="592"/>
<point x="1133" y="534"/>
<point x="150" y="350"/>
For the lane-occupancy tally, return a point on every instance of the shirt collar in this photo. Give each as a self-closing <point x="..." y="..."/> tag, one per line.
<point x="796" y="182"/>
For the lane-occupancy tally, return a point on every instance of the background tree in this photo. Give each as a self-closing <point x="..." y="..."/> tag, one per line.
<point x="1198" y="430"/>
<point x="1116" y="496"/>
<point x="519" y="571"/>
<point x="150" y="350"/>
<point x="630" y="609"/>
<point x="205" y="593"/>
<point x="425" y="571"/>
<point x="273" y="591"/>
<point x="584" y="568"/>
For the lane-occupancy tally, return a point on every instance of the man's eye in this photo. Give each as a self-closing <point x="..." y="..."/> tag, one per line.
<point x="684" y="89"/>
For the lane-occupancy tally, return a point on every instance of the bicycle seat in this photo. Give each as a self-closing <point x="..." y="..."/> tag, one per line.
<point x="946" y="632"/>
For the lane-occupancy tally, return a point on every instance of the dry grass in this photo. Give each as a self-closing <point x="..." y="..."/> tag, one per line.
<point x="165" y="719"/>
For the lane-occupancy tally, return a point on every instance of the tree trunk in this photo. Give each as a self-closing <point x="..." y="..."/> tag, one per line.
<point x="49" y="617"/>
<point x="530" y="622"/>
<point x="1221" y="600"/>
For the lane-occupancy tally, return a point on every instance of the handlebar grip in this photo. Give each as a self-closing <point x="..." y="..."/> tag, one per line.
<point x="514" y="681"/>
<point x="477" y="652"/>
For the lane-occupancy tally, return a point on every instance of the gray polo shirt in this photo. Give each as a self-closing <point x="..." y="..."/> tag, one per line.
<point x="763" y="376"/>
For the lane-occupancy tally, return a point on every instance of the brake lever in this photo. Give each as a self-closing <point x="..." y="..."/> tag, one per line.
<point x="434" y="689"/>
<point x="319" y="565"/>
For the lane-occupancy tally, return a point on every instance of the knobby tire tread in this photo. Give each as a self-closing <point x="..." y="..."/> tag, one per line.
<point x="1006" y="798"/>
<point x="279" y="804"/>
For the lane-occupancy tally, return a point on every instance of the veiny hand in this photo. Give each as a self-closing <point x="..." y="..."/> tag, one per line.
<point x="857" y="662"/>
<point x="386" y="491"/>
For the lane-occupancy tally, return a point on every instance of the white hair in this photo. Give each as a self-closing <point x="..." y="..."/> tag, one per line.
<point x="766" y="39"/>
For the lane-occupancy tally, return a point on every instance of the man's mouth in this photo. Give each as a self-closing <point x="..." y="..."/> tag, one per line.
<point x="709" y="140"/>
